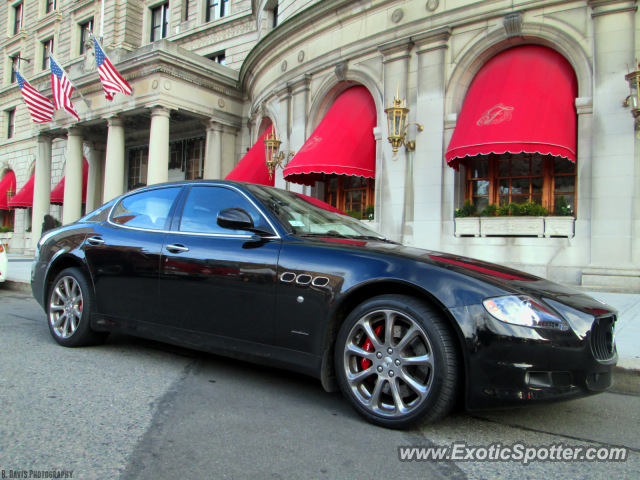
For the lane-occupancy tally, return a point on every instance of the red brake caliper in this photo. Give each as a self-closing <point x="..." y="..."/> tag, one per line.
<point x="368" y="346"/>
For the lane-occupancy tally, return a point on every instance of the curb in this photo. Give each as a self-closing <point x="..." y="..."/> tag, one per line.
<point x="626" y="381"/>
<point x="16" y="287"/>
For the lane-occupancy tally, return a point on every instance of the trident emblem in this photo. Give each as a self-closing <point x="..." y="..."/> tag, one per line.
<point x="496" y="114"/>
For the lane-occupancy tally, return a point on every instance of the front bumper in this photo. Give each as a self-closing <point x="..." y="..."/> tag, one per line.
<point x="510" y="366"/>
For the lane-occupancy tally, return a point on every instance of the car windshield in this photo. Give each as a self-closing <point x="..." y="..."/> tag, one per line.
<point x="303" y="218"/>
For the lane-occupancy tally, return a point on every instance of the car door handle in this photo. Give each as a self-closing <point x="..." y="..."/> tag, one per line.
<point x="95" y="241"/>
<point x="176" y="248"/>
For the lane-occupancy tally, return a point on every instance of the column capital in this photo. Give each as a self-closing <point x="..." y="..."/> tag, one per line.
<point x="214" y="125"/>
<point x="74" y="131"/>
<point x="114" y="121"/>
<point x="584" y="105"/>
<point x="44" y="138"/>
<point x="283" y="92"/>
<point x="432" y="40"/>
<point x="160" y="111"/>
<point x="300" y="84"/>
<point x="396" y="50"/>
<point x="607" y="7"/>
<point x="230" y="129"/>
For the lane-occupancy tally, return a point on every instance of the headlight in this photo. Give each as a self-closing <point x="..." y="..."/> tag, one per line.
<point x="525" y="311"/>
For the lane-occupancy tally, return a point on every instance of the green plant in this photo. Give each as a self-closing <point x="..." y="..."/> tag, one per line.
<point x="489" y="211"/>
<point x="354" y="214"/>
<point x="58" y="222"/>
<point x="6" y="229"/>
<point x="527" y="209"/>
<point x="28" y="230"/>
<point x="369" y="212"/>
<point x="562" y="208"/>
<point x="467" y="210"/>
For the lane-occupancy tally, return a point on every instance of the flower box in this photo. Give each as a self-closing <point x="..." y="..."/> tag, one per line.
<point x="530" y="226"/>
<point x="559" y="226"/>
<point x="6" y="236"/>
<point x="467" y="226"/>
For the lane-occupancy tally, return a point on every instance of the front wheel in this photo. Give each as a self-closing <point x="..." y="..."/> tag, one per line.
<point x="69" y="310"/>
<point x="397" y="362"/>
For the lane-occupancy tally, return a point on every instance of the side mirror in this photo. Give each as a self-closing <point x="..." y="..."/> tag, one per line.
<point x="235" y="219"/>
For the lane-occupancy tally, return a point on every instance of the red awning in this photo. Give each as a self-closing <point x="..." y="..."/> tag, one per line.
<point x="8" y="183"/>
<point x="57" y="194"/>
<point x="253" y="167"/>
<point x="342" y="144"/>
<point x="321" y="204"/>
<point x="24" y="198"/>
<point x="522" y="100"/>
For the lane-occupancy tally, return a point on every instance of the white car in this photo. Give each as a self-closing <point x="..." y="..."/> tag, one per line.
<point x="4" y="263"/>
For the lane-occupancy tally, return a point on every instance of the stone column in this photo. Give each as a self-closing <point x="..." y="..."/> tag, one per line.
<point x="392" y="181"/>
<point x="228" y="149"/>
<point x="41" y="188"/>
<point x="613" y="163"/>
<point x="114" y="164"/>
<point x="284" y="103"/>
<point x="72" y="209"/>
<point x="94" y="180"/>
<point x="299" y="117"/>
<point x="429" y="196"/>
<point x="158" y="170"/>
<point x="213" y="151"/>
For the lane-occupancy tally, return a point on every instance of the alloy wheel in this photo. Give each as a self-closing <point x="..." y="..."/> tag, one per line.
<point x="389" y="363"/>
<point x="65" y="307"/>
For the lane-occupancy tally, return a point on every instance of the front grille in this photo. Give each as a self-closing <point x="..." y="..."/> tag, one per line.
<point x="602" y="338"/>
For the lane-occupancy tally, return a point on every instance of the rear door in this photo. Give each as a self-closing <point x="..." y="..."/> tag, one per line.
<point x="214" y="280"/>
<point x="123" y="254"/>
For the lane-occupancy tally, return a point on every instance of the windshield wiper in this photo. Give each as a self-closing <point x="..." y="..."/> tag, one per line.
<point x="332" y="235"/>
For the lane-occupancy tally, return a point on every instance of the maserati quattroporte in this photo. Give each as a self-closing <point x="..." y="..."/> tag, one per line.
<point x="277" y="278"/>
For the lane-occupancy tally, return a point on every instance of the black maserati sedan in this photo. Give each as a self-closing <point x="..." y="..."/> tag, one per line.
<point x="276" y="278"/>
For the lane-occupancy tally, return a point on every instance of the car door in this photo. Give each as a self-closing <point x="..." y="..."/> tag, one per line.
<point x="123" y="254"/>
<point x="214" y="280"/>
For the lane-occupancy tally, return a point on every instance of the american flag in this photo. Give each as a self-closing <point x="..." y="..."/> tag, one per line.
<point x="39" y="106"/>
<point x="62" y="88"/>
<point x="112" y="81"/>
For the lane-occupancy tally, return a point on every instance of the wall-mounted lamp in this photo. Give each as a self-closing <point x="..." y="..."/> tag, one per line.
<point x="632" y="100"/>
<point x="273" y="155"/>
<point x="397" y="118"/>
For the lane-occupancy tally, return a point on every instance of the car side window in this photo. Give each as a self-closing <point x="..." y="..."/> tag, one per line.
<point x="148" y="209"/>
<point x="200" y="213"/>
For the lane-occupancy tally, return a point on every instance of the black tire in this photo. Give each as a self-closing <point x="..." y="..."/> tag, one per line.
<point x="83" y="335"/>
<point x="441" y="381"/>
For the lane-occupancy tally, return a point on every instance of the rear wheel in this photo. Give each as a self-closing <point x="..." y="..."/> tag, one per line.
<point x="69" y="310"/>
<point x="397" y="362"/>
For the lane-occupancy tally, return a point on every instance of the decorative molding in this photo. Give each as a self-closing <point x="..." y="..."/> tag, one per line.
<point x="432" y="5"/>
<point x="513" y="24"/>
<point x="301" y="56"/>
<point x="396" y="50"/>
<point x="300" y="84"/>
<point x="608" y="7"/>
<point x="512" y="226"/>
<point x="432" y="40"/>
<point x="584" y="105"/>
<point x="341" y="71"/>
<point x="284" y="66"/>
<point x="467" y="226"/>
<point x="397" y="15"/>
<point x="215" y="37"/>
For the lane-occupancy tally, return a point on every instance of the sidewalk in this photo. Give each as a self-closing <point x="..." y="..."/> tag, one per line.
<point x="627" y="326"/>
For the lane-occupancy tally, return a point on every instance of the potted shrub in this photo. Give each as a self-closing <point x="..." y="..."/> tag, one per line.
<point x="466" y="220"/>
<point x="562" y="224"/>
<point x="513" y="219"/>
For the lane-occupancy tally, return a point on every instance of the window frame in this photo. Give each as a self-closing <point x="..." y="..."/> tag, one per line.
<point x="50" y="6"/>
<point x="83" y="34"/>
<point x="170" y="215"/>
<point x="219" y="8"/>
<point x="15" y="62"/>
<point x="45" y="58"/>
<point x="341" y="191"/>
<point x="18" y="17"/>
<point x="548" y="180"/>
<point x="10" y="116"/>
<point x="164" y="21"/>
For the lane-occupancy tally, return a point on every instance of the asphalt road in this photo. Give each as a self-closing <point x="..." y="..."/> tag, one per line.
<point x="135" y="409"/>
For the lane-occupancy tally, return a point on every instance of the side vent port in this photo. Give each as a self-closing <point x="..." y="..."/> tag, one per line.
<point x="288" y="277"/>
<point x="320" y="282"/>
<point x="303" y="279"/>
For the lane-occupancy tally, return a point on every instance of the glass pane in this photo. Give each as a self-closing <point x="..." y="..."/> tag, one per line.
<point x="503" y="168"/>
<point x="536" y="166"/>
<point x="504" y="187"/>
<point x="503" y="200"/>
<point x="537" y="199"/>
<point x="480" y="169"/>
<point x="346" y="182"/>
<point x="480" y="203"/>
<point x="481" y="187"/>
<point x="520" y="185"/>
<point x="203" y="205"/>
<point x="519" y="198"/>
<point x="520" y="167"/>
<point x="148" y="210"/>
<point x="355" y="182"/>
<point x="333" y="185"/>
<point x="562" y="165"/>
<point x="570" y="201"/>
<point x="363" y="181"/>
<point x="536" y="185"/>
<point x="565" y="184"/>
<point x="356" y="196"/>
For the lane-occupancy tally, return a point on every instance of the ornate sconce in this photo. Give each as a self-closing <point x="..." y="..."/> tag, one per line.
<point x="10" y="194"/>
<point x="397" y="118"/>
<point x="632" y="100"/>
<point x="273" y="155"/>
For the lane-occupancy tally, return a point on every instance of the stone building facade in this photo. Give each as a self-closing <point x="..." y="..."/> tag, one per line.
<point x="208" y="75"/>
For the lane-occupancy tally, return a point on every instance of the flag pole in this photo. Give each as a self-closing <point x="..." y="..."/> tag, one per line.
<point x="101" y="20"/>
<point x="88" y="102"/>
